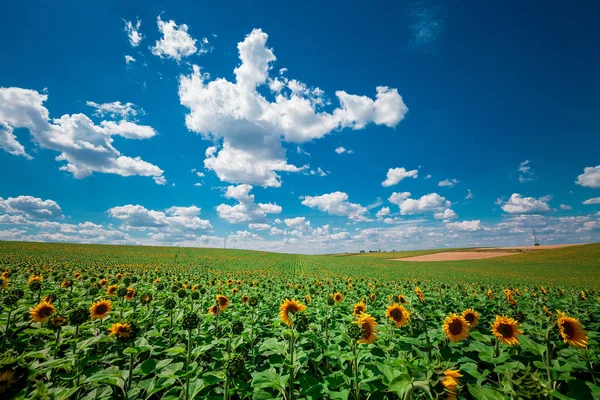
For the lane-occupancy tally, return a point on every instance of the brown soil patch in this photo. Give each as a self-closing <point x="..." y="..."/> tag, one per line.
<point x="457" y="256"/>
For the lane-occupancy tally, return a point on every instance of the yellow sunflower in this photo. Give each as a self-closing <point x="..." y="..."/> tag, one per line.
<point x="42" y="311"/>
<point x="5" y="282"/>
<point x="450" y="382"/>
<point x="223" y="302"/>
<point x="130" y="294"/>
<point x="506" y="330"/>
<point x="290" y="307"/>
<point x="103" y="282"/>
<point x="338" y="297"/>
<point x="471" y="316"/>
<point x="34" y="278"/>
<point x="214" y="310"/>
<point x="244" y="299"/>
<point x="100" y="309"/>
<point x="456" y="328"/>
<point x="307" y="299"/>
<point x="359" y="308"/>
<point x="420" y="294"/>
<point x="121" y="330"/>
<point x="490" y="294"/>
<point x="398" y="314"/>
<point x="572" y="331"/>
<point x="367" y="325"/>
<point x="112" y="289"/>
<point x="402" y="299"/>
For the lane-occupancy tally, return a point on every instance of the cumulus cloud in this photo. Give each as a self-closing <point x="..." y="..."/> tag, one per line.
<point x="115" y="109"/>
<point x="176" y="43"/>
<point x="246" y="209"/>
<point x="336" y="204"/>
<point x="31" y="207"/>
<point x="526" y="173"/>
<point x="385" y="211"/>
<point x="431" y="202"/>
<point x="9" y="143"/>
<point x="446" y="214"/>
<point x="465" y="226"/>
<point x="248" y="129"/>
<point x="518" y="204"/>
<point x="395" y="175"/>
<point x="590" y="177"/>
<point x="260" y="227"/>
<point x="129" y="59"/>
<point x="448" y="182"/>
<point x="83" y="145"/>
<point x="594" y="200"/>
<point x="342" y="150"/>
<point x="133" y="32"/>
<point x="565" y="207"/>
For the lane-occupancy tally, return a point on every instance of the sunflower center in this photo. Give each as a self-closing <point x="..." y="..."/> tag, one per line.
<point x="366" y="330"/>
<point x="568" y="330"/>
<point x="292" y="309"/>
<point x="470" y="318"/>
<point x="45" y="312"/>
<point x="101" y="309"/>
<point x="455" y="327"/>
<point x="396" y="314"/>
<point x="505" y="330"/>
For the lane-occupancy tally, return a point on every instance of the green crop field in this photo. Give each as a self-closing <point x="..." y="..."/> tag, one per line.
<point x="124" y="322"/>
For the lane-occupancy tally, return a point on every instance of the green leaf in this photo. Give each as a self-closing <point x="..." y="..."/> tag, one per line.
<point x="173" y="351"/>
<point x="148" y="366"/>
<point x="399" y="384"/>
<point x="481" y="393"/>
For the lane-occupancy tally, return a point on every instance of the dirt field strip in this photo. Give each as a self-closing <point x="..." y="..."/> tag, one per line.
<point x="457" y="256"/>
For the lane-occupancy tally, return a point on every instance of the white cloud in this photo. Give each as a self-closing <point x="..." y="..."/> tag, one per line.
<point x="565" y="207"/>
<point x="446" y="214"/>
<point x="175" y="43"/>
<point x="135" y="37"/>
<point x="336" y="204"/>
<point x="9" y="143"/>
<point x="518" y="204"/>
<point x="427" y="203"/>
<point x="248" y="129"/>
<point x="590" y="177"/>
<point x="465" y="226"/>
<point x="395" y="175"/>
<point x="594" y="200"/>
<point x="526" y="173"/>
<point x="469" y="195"/>
<point x="298" y="223"/>
<point x="129" y="59"/>
<point x="246" y="210"/>
<point x="259" y="227"/>
<point x="448" y="182"/>
<point x="385" y="211"/>
<point x="341" y="150"/>
<point x="31" y="207"/>
<point x="83" y="145"/>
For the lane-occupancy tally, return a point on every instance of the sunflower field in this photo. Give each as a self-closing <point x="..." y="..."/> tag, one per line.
<point x="117" y="322"/>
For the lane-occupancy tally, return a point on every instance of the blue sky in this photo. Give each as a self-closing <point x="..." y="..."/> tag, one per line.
<point x="360" y="126"/>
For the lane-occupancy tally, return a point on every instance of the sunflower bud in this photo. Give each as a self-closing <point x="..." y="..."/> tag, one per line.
<point x="169" y="304"/>
<point x="35" y="286"/>
<point x="190" y="321"/>
<point x="354" y="331"/>
<point x="79" y="316"/>
<point x="181" y="293"/>
<point x="253" y="301"/>
<point x="122" y="292"/>
<point x="18" y="293"/>
<point x="11" y="300"/>
<point x="195" y="295"/>
<point x="57" y="321"/>
<point x="237" y="327"/>
<point x="234" y="366"/>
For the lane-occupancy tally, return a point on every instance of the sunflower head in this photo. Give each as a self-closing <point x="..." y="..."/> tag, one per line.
<point x="124" y="331"/>
<point x="112" y="289"/>
<point x="506" y="330"/>
<point x="42" y="311"/>
<point x="450" y="382"/>
<point x="398" y="314"/>
<point x="456" y="328"/>
<point x="13" y="378"/>
<point x="214" y="310"/>
<point x="57" y="321"/>
<point x="130" y="294"/>
<point x="288" y="309"/>
<point x="359" y="308"/>
<point x="420" y="294"/>
<point x="78" y="316"/>
<point x="34" y="278"/>
<point x="223" y="302"/>
<point x="67" y="283"/>
<point x="471" y="316"/>
<point x="572" y="331"/>
<point x="338" y="297"/>
<point x="367" y="326"/>
<point x="100" y="309"/>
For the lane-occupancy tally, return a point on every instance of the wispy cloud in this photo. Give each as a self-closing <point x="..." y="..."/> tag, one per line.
<point x="427" y="24"/>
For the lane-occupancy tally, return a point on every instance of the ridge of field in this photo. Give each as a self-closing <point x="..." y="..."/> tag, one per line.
<point x="576" y="266"/>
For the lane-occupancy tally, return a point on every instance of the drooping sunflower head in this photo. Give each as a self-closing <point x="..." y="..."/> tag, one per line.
<point x="124" y="331"/>
<point x="450" y="382"/>
<point x="13" y="378"/>
<point x="130" y="294"/>
<point x="288" y="309"/>
<point x="222" y="301"/>
<point x="103" y="282"/>
<point x="506" y="330"/>
<point x="112" y="289"/>
<point x="367" y="325"/>
<point x="359" y="308"/>
<point x="456" y="328"/>
<point x="398" y="314"/>
<point x="100" y="309"/>
<point x="214" y="310"/>
<point x="338" y="297"/>
<point x="57" y="321"/>
<point x="402" y="299"/>
<point x="42" y="311"/>
<point x="471" y="316"/>
<point x="572" y="331"/>
<point x="420" y="294"/>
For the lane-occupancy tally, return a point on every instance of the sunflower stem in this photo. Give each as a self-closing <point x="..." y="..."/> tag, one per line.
<point x="187" y="366"/>
<point x="355" y="368"/>
<point x="6" y="331"/>
<point x="292" y="340"/>
<point x="129" y="376"/>
<point x="226" y="388"/>
<point x="549" y="355"/>
<point x="426" y="337"/>
<point x="170" y="326"/>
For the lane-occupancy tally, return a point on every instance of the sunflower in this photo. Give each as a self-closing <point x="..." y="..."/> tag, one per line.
<point x="120" y="330"/>
<point x="214" y="310"/>
<point x="490" y="294"/>
<point x="471" y="316"/>
<point x="367" y="325"/>
<point x="307" y="299"/>
<point x="130" y="294"/>
<point x="234" y="290"/>
<point x="359" y="308"/>
<point x="402" y="299"/>
<point x="222" y="301"/>
<point x="338" y="297"/>
<point x="506" y="330"/>
<point x="420" y="294"/>
<point x="372" y="297"/>
<point x="398" y="314"/>
<point x="5" y="282"/>
<point x="456" y="328"/>
<point x="77" y="275"/>
<point x="112" y="289"/>
<point x="34" y="278"/>
<point x="572" y="331"/>
<point x="450" y="382"/>
<point x="582" y="296"/>
<point x="13" y="378"/>
<point x="244" y="299"/>
<point x="67" y="283"/>
<point x="290" y="307"/>
<point x="100" y="309"/>
<point x="119" y="276"/>
<point x="103" y="282"/>
<point x="42" y="311"/>
<point x="195" y="287"/>
<point x="5" y="275"/>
